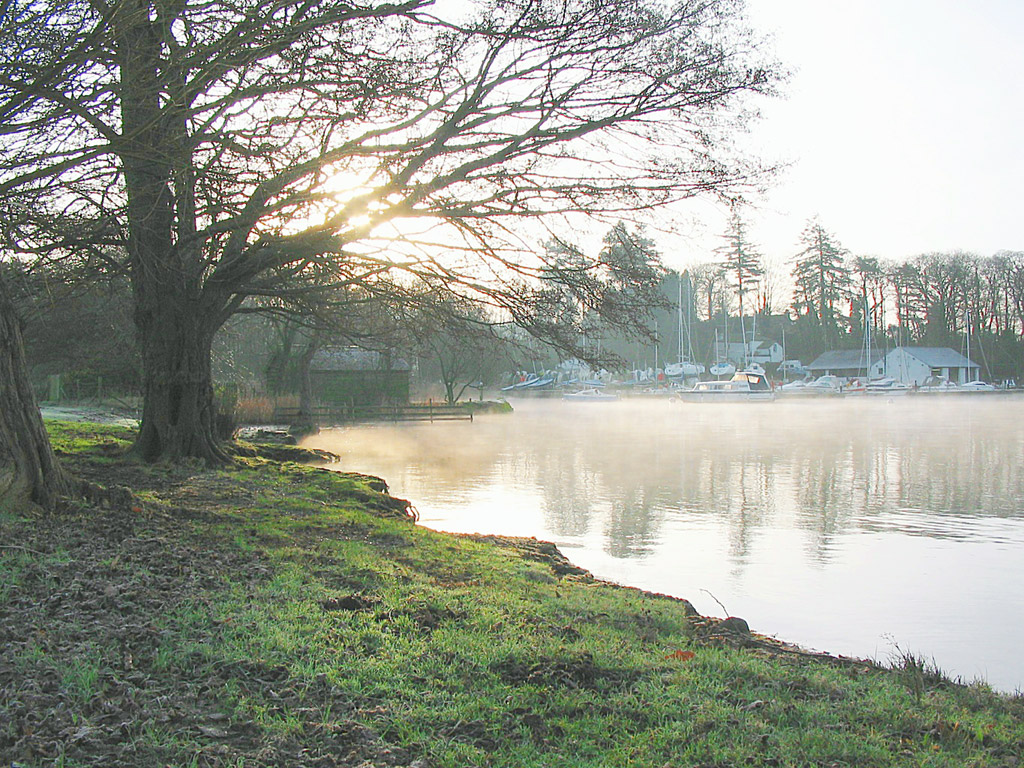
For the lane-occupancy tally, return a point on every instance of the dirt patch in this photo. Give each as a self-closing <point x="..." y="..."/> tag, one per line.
<point x="573" y="671"/>
<point x="83" y="627"/>
<point x="350" y="603"/>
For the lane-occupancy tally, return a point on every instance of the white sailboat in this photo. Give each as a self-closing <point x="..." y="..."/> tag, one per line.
<point x="975" y="385"/>
<point x="685" y="368"/>
<point x="722" y="366"/>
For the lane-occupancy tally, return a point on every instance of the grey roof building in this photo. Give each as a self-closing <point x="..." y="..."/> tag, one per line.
<point x="843" y="362"/>
<point x="939" y="357"/>
<point x="909" y="365"/>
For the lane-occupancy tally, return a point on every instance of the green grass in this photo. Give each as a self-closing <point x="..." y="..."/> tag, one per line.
<point x="80" y="676"/>
<point x="349" y="625"/>
<point x="470" y="662"/>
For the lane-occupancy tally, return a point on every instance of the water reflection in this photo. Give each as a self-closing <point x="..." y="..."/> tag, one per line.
<point x="759" y="501"/>
<point x="921" y="468"/>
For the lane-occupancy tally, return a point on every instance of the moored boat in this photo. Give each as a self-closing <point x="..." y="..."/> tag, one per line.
<point x="591" y="395"/>
<point x="977" y="386"/>
<point x="684" y="369"/>
<point x="887" y="386"/>
<point x="937" y="386"/>
<point x="744" y="386"/>
<point x="823" y="386"/>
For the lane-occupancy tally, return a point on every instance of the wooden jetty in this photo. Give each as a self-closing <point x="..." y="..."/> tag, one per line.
<point x="327" y="415"/>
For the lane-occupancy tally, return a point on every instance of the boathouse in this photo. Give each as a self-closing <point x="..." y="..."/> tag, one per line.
<point x="848" y="363"/>
<point x="349" y="376"/>
<point x="761" y="352"/>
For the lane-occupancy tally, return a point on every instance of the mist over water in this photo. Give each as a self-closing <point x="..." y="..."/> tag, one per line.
<point x="853" y="526"/>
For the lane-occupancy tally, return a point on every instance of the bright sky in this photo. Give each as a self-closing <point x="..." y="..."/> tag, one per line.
<point x="901" y="126"/>
<point x="903" y="122"/>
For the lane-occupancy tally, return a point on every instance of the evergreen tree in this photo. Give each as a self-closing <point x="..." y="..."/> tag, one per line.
<point x="741" y="260"/>
<point x="822" y="281"/>
<point x="741" y="263"/>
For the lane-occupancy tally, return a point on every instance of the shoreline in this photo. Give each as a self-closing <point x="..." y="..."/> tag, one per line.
<point x="273" y="614"/>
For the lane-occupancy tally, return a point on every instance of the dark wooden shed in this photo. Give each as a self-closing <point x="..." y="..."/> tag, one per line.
<point x="349" y="376"/>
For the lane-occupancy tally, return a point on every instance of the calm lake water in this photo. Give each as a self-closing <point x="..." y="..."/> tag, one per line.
<point x="860" y="527"/>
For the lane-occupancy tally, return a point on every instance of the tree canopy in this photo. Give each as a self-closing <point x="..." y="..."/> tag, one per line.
<point x="225" y="151"/>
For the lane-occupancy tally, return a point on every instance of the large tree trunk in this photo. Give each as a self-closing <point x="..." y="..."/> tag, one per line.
<point x="178" y="414"/>
<point x="174" y="323"/>
<point x="29" y="472"/>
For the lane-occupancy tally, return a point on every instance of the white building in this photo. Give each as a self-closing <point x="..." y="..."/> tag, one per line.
<point x="916" y="365"/>
<point x="756" y="352"/>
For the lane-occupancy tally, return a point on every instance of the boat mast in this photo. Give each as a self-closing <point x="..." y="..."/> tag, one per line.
<point x="689" y="318"/>
<point x="726" y="323"/>
<point x="679" y="321"/>
<point x="657" y="343"/>
<point x="743" y="338"/>
<point x="867" y="340"/>
<point x="967" y="339"/>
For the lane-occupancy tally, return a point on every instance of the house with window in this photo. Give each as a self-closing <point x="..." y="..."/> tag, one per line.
<point x="761" y="352"/>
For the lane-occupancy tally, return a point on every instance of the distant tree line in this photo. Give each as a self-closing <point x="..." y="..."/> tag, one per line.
<point x="932" y="299"/>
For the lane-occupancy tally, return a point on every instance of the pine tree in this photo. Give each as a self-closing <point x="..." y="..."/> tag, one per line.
<point x="741" y="260"/>
<point x="822" y="281"/>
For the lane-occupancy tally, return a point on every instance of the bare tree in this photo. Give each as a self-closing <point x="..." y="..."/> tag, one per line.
<point x="1014" y="289"/>
<point x="233" y="148"/>
<point x="457" y="341"/>
<point x="709" y="283"/>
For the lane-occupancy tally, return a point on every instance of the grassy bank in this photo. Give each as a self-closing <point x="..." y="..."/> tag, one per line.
<point x="276" y="615"/>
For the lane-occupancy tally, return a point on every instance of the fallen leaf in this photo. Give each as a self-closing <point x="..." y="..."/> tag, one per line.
<point x="681" y="655"/>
